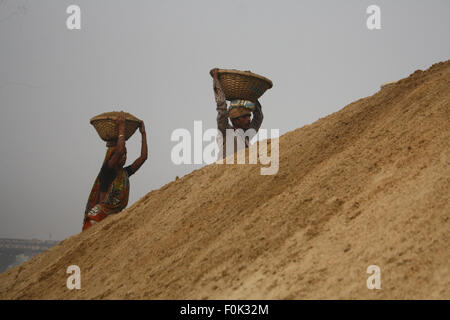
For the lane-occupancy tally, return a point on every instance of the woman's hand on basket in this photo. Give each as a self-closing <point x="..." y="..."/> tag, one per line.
<point x="121" y="118"/>
<point x="142" y="128"/>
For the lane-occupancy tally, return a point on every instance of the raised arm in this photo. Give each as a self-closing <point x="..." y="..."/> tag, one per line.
<point x="222" y="112"/>
<point x="257" y="116"/>
<point x="144" y="152"/>
<point x="120" y="148"/>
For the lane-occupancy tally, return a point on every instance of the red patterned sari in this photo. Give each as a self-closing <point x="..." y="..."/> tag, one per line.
<point x="116" y="198"/>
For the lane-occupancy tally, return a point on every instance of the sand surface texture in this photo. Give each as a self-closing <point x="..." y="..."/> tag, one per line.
<point x="368" y="185"/>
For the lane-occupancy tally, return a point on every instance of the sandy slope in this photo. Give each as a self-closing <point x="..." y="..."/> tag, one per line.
<point x="366" y="185"/>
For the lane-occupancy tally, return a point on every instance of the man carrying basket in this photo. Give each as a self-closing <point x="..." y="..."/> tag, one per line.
<point x="239" y="112"/>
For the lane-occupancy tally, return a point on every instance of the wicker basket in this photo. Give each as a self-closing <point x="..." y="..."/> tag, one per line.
<point x="243" y="84"/>
<point x="107" y="129"/>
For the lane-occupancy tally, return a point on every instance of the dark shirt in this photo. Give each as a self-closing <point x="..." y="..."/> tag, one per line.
<point x="107" y="176"/>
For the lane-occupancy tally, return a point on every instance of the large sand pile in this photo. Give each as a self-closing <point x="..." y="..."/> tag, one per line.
<point x="366" y="185"/>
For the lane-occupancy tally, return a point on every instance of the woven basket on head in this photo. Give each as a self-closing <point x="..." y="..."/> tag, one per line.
<point x="107" y="129"/>
<point x="243" y="84"/>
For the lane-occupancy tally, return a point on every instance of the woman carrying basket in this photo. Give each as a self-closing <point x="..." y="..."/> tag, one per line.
<point x="111" y="188"/>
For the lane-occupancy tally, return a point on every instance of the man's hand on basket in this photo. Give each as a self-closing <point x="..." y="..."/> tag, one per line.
<point x="214" y="73"/>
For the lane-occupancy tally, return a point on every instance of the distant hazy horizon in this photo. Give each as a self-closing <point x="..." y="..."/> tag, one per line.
<point x="152" y="59"/>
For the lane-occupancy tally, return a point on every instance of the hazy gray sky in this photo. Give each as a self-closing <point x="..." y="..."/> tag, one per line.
<point x="152" y="58"/>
